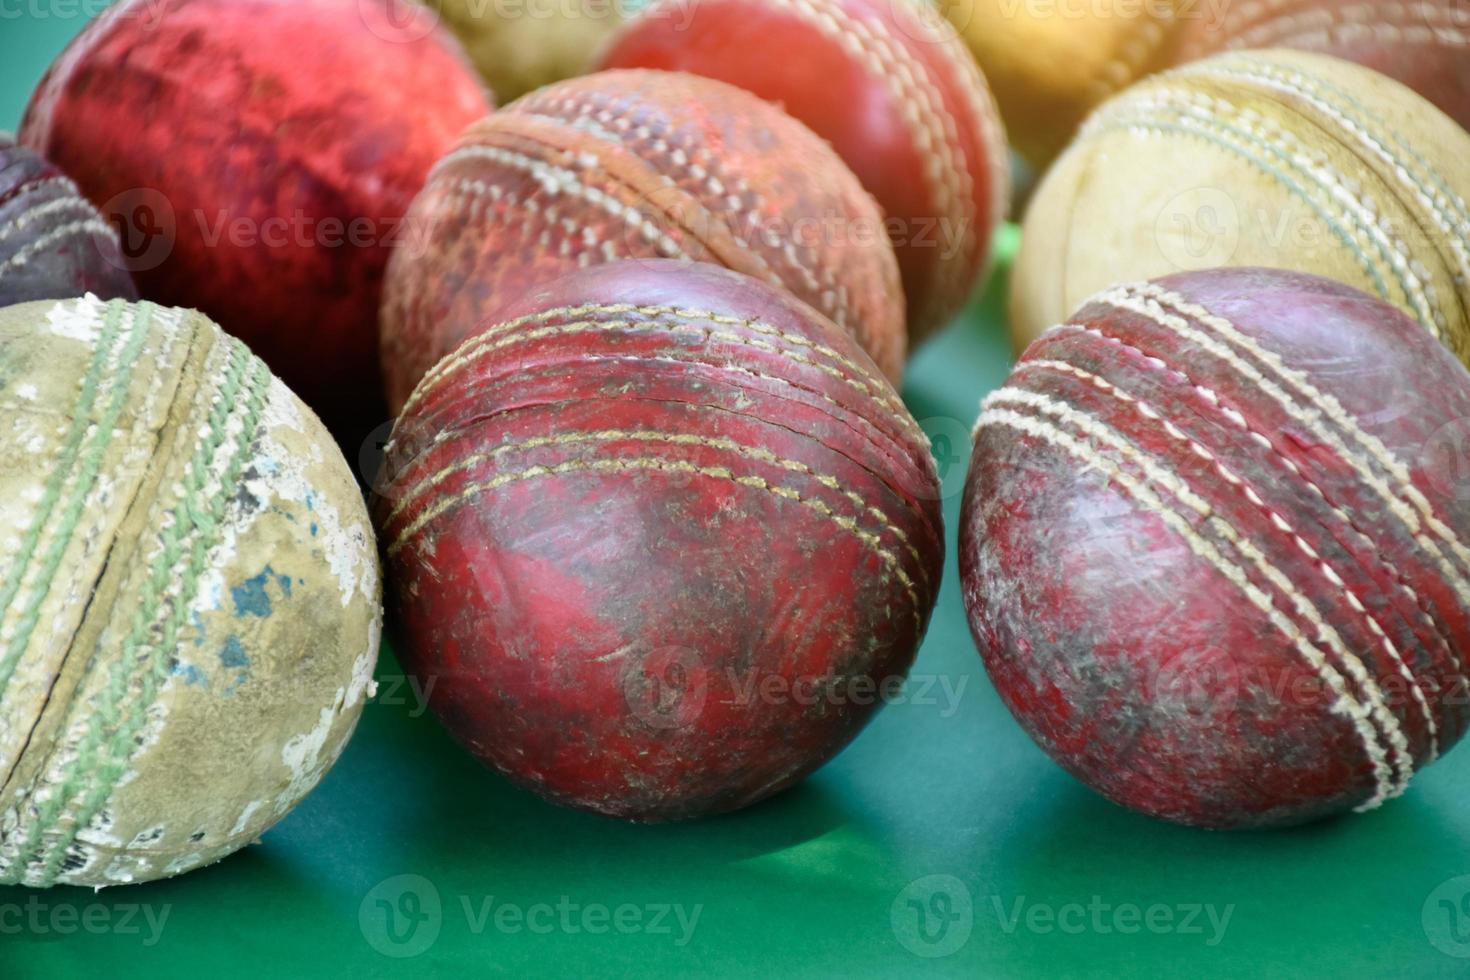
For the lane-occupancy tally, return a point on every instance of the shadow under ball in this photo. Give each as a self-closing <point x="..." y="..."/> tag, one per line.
<point x="662" y="534"/>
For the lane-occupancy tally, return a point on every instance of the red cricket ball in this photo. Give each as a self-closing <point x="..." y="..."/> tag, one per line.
<point x="1216" y="547"/>
<point x="661" y="540"/>
<point x="53" y="242"/>
<point x="896" y="93"/>
<point x="260" y="156"/>
<point x="1424" y="44"/>
<point x="636" y="165"/>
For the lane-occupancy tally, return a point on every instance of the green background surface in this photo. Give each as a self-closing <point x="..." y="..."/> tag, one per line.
<point x="942" y="805"/>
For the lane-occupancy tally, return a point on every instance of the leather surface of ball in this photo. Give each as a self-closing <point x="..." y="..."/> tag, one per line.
<point x="522" y="46"/>
<point x="1051" y="64"/>
<point x="660" y="540"/>
<point x="189" y="595"/>
<point x="894" y="91"/>
<point x="1273" y="158"/>
<point x="636" y="165"/>
<point x="1216" y="551"/>
<point x="1424" y="44"/>
<point x="53" y="243"/>
<point x="260" y="156"/>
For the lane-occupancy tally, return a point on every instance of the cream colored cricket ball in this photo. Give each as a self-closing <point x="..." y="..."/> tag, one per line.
<point x="1050" y="62"/>
<point x="189" y="595"/>
<point x="521" y="45"/>
<point x="1270" y="158"/>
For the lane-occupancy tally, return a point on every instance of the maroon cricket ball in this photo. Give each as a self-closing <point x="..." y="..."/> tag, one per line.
<point x="894" y="90"/>
<point x="660" y="539"/>
<point x="260" y="157"/>
<point x="53" y="243"/>
<point x="1215" y="547"/>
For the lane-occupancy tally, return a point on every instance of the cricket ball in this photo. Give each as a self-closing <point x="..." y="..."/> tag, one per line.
<point x="636" y="165"/>
<point x="189" y="595"/>
<point x="1213" y="561"/>
<point x="1271" y="158"/>
<point x="1424" y="45"/>
<point x="53" y="243"/>
<point x="1050" y="63"/>
<point x="260" y="156"/>
<point x="661" y="539"/>
<point x="890" y="86"/>
<point x="521" y="46"/>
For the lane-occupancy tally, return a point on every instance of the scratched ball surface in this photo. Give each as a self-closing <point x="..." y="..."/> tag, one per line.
<point x="1216" y="553"/>
<point x="1271" y="158"/>
<point x="261" y="156"/>
<point x="53" y="243"/>
<point x="894" y="91"/>
<point x="522" y="46"/>
<point x="1423" y="44"/>
<point x="660" y="539"/>
<point x="189" y="595"/>
<point x="636" y="165"/>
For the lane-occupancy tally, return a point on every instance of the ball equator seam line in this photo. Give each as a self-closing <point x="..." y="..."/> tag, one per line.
<point x="653" y="436"/>
<point x="83" y="430"/>
<point x="57" y="204"/>
<point x="1346" y="705"/>
<point x="1409" y="504"/>
<point x="35" y="187"/>
<point x="661" y="464"/>
<point x="95" y="226"/>
<point x="1342" y="23"/>
<point x="885" y="444"/>
<point x="254" y="378"/>
<point x="1273" y="516"/>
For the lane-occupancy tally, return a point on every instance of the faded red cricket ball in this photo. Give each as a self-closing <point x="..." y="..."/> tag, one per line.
<point x="636" y="165"/>
<point x="1211" y="561"/>
<point x="1425" y="44"/>
<point x="894" y="90"/>
<point x="660" y="540"/>
<point x="260" y="156"/>
<point x="53" y="242"/>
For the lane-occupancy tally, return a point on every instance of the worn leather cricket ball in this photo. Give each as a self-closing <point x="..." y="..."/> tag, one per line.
<point x="1271" y="158"/>
<point x="260" y="156"/>
<point x="1214" y="554"/>
<point x="894" y="91"/>
<point x="661" y="539"/>
<point x="189" y="595"/>
<point x="1050" y="63"/>
<point x="520" y="46"/>
<point x="636" y="165"/>
<point x="1424" y="44"/>
<point x="53" y="243"/>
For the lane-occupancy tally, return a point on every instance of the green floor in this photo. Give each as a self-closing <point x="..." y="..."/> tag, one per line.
<point x="941" y="842"/>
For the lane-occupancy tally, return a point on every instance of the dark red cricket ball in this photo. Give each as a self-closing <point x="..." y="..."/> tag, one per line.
<point x="53" y="243"/>
<point x="661" y="539"/>
<point x="894" y="90"/>
<point x="260" y="157"/>
<point x="1216" y="547"/>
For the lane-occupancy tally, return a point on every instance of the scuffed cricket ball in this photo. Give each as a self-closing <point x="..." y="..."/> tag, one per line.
<point x="661" y="539"/>
<point x="1214" y="554"/>
<point x="53" y="243"/>
<point x="896" y="93"/>
<point x="636" y="165"/>
<point x="260" y="156"/>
